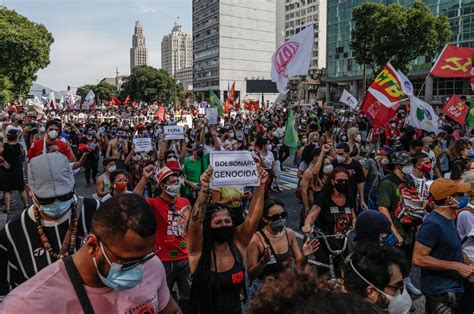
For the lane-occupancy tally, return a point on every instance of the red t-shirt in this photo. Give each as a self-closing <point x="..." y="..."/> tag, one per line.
<point x="36" y="148"/>
<point x="171" y="237"/>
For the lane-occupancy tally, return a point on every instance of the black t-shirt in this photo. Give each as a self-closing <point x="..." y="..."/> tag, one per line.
<point x="334" y="218"/>
<point x="356" y="173"/>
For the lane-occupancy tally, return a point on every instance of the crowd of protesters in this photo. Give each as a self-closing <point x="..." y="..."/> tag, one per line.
<point x="156" y="237"/>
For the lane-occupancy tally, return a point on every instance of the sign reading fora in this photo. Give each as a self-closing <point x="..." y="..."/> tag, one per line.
<point x="233" y="169"/>
<point x="174" y="132"/>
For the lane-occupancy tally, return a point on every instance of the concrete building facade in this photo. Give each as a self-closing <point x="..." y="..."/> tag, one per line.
<point x="138" y="52"/>
<point x="176" y="51"/>
<point x="232" y="41"/>
<point x="184" y="77"/>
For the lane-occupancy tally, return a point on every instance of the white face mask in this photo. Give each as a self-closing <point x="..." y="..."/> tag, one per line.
<point x="53" y="134"/>
<point x="408" y="169"/>
<point x="112" y="168"/>
<point x="358" y="138"/>
<point x="340" y="159"/>
<point x="41" y="129"/>
<point x="328" y="169"/>
<point x="269" y="147"/>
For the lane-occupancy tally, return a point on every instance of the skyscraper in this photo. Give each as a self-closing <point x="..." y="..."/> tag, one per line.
<point x="176" y="51"/>
<point x="232" y="41"/>
<point x="138" y="52"/>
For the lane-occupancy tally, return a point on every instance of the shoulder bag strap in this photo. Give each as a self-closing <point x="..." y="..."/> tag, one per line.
<point x="78" y="285"/>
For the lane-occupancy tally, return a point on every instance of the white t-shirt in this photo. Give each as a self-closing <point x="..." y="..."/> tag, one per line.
<point x="280" y="132"/>
<point x="51" y="291"/>
<point x="268" y="160"/>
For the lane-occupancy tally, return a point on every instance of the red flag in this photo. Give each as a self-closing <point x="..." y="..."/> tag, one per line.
<point x="106" y="102"/>
<point x="115" y="100"/>
<point x="386" y="87"/>
<point x="453" y="62"/>
<point x="127" y="100"/>
<point x="160" y="113"/>
<point x="373" y="109"/>
<point x="456" y="109"/>
<point x="229" y="103"/>
<point x="134" y="104"/>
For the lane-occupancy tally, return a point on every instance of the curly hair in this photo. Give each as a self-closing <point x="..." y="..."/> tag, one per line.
<point x="297" y="291"/>
<point x="457" y="147"/>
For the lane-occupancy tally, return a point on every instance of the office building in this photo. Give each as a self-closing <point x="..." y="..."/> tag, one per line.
<point x="184" y="77"/>
<point x="176" y="51"/>
<point x="344" y="72"/>
<point x="232" y="41"/>
<point x="138" y="52"/>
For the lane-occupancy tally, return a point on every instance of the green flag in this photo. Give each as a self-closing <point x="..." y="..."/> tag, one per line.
<point x="470" y="114"/>
<point x="215" y="102"/>
<point x="291" y="135"/>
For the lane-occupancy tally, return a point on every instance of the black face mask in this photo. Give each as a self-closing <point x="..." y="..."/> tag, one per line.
<point x="200" y="154"/>
<point x="341" y="187"/>
<point x="222" y="234"/>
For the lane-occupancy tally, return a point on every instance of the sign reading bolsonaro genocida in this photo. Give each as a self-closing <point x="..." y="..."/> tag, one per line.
<point x="233" y="169"/>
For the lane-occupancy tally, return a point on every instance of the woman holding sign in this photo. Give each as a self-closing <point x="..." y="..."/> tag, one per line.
<point x="217" y="248"/>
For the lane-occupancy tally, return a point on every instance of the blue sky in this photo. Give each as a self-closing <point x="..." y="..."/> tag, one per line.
<point x="92" y="38"/>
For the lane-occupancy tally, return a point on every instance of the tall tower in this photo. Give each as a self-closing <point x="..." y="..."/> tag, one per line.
<point x="176" y="51"/>
<point x="138" y="52"/>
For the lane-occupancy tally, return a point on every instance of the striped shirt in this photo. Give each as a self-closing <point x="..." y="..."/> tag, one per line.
<point x="22" y="254"/>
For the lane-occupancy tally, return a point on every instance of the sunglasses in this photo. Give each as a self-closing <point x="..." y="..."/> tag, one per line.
<point x="341" y="181"/>
<point x="129" y="264"/>
<point x="47" y="201"/>
<point x="276" y="217"/>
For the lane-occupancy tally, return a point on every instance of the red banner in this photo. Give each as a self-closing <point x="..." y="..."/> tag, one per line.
<point x="386" y="87"/>
<point x="453" y="62"/>
<point x="115" y="100"/>
<point x="456" y="109"/>
<point x="160" y="114"/>
<point x="378" y="113"/>
<point x="127" y="100"/>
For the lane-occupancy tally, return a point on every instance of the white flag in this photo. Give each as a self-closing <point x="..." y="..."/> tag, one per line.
<point x="52" y="101"/>
<point x="89" y="100"/>
<point x="292" y="58"/>
<point x="422" y="116"/>
<point x="348" y="99"/>
<point x="405" y="84"/>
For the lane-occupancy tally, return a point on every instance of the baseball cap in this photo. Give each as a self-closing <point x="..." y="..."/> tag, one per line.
<point x="402" y="158"/>
<point x="173" y="165"/>
<point x="163" y="174"/>
<point x="198" y="146"/>
<point x="50" y="175"/>
<point x="370" y="223"/>
<point x="442" y="188"/>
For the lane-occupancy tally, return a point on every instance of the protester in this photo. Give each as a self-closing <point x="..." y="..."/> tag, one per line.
<point x="117" y="265"/>
<point x="53" y="227"/>
<point x="193" y="167"/>
<point x="438" y="249"/>
<point x="117" y="147"/>
<point x="465" y="228"/>
<point x="11" y="169"/>
<point x="172" y="213"/>
<point x="458" y="152"/>
<point x="53" y="128"/>
<point x="103" y="182"/>
<point x="118" y="184"/>
<point x="372" y="226"/>
<point x="216" y="250"/>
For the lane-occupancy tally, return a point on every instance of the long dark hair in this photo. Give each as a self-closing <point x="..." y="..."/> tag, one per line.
<point x="203" y="299"/>
<point x="328" y="187"/>
<point x="307" y="154"/>
<point x="269" y="203"/>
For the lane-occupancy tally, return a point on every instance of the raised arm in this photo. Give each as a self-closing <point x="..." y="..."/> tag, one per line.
<point x="147" y="173"/>
<point x="246" y="230"/>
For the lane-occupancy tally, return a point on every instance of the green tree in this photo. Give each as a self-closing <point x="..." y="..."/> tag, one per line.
<point x="396" y="32"/>
<point x="24" y="49"/>
<point x="6" y="94"/>
<point x="103" y="90"/>
<point x="149" y="84"/>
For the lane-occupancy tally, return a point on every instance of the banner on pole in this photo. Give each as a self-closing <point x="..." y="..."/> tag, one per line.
<point x="174" y="132"/>
<point x="386" y="87"/>
<point x="348" y="99"/>
<point x="142" y="145"/>
<point x="233" y="169"/>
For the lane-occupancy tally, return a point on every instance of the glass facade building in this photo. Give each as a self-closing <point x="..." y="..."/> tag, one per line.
<point x="341" y="66"/>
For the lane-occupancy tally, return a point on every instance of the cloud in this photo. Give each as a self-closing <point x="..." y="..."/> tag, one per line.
<point x="146" y="7"/>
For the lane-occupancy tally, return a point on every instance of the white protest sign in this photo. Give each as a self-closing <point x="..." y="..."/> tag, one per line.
<point x="186" y="119"/>
<point x="174" y="132"/>
<point x="142" y="145"/>
<point x="211" y="115"/>
<point x="233" y="169"/>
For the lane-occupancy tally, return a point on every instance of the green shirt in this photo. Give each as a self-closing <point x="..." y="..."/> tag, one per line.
<point x="388" y="196"/>
<point x="193" y="169"/>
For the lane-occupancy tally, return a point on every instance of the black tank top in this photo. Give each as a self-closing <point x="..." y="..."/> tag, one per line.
<point x="276" y="264"/>
<point x="228" y="287"/>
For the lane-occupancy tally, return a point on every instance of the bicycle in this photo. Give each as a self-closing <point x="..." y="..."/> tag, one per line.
<point x="317" y="233"/>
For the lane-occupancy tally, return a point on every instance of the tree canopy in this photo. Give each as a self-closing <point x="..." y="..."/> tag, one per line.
<point x="149" y="84"/>
<point x="103" y="90"/>
<point x="398" y="33"/>
<point x="24" y="49"/>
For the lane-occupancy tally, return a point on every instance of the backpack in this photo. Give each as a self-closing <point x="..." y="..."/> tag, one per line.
<point x="410" y="209"/>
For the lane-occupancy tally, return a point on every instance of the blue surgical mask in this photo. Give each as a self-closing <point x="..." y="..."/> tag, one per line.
<point x="390" y="239"/>
<point x="56" y="209"/>
<point x="462" y="202"/>
<point x="117" y="278"/>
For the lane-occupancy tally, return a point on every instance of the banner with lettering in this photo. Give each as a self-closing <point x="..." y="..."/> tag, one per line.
<point x="173" y="132"/>
<point x="456" y="109"/>
<point x="386" y="87"/>
<point x="236" y="168"/>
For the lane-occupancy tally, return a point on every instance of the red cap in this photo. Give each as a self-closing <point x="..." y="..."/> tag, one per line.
<point x="383" y="152"/>
<point x="173" y="165"/>
<point x="140" y="126"/>
<point x="163" y="174"/>
<point x="83" y="147"/>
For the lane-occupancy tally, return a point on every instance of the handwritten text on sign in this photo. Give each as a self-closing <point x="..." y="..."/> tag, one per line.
<point x="211" y="115"/>
<point x="174" y="132"/>
<point x="233" y="169"/>
<point x="142" y="145"/>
